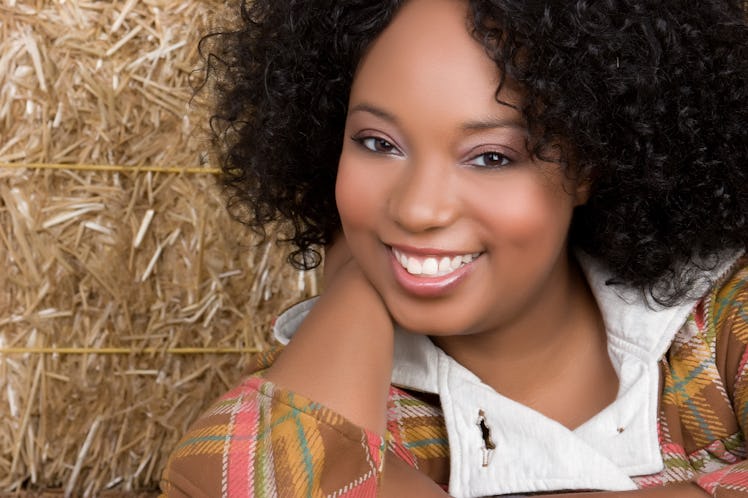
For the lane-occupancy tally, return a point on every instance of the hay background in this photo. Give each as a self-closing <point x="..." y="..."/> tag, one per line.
<point x="142" y="262"/>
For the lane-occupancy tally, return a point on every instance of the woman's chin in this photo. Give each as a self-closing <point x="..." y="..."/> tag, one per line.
<point x="422" y="325"/>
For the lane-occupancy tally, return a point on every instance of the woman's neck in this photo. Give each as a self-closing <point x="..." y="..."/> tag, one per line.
<point x="550" y="356"/>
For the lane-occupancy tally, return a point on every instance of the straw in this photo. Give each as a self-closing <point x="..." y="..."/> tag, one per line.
<point x="130" y="298"/>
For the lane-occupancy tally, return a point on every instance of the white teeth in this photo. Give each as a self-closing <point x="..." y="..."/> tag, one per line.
<point x="414" y="266"/>
<point x="432" y="265"/>
<point x="445" y="265"/>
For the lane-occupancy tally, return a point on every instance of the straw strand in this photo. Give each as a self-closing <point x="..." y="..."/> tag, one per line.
<point x="116" y="351"/>
<point x="118" y="168"/>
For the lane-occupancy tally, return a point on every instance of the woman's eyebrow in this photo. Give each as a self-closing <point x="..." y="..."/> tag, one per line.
<point x="470" y="126"/>
<point x="372" y="109"/>
<point x="491" y="123"/>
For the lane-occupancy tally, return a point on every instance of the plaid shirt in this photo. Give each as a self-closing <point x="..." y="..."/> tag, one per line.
<point x="259" y="440"/>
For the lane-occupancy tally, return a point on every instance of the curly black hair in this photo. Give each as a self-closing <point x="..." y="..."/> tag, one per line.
<point x="649" y="97"/>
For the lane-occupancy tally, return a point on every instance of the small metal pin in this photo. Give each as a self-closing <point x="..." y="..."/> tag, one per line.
<point x="488" y="444"/>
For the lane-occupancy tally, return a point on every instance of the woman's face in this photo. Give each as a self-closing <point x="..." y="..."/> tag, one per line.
<point x="457" y="226"/>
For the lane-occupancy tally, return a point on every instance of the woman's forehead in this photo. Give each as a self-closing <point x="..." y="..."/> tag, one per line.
<point x="427" y="58"/>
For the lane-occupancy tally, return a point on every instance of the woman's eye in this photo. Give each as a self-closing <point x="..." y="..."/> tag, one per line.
<point x="490" y="160"/>
<point x="376" y="144"/>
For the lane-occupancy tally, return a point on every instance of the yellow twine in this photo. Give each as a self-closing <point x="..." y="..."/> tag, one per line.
<point x="115" y="168"/>
<point x="113" y="351"/>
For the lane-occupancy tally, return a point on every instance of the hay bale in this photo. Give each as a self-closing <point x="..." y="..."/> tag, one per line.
<point x="130" y="299"/>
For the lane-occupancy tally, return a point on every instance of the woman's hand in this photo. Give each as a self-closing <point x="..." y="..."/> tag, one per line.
<point x="341" y="355"/>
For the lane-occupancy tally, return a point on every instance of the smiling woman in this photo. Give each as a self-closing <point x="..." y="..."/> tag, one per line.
<point x="416" y="185"/>
<point x="486" y="327"/>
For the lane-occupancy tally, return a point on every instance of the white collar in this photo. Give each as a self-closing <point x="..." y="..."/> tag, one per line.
<point x="618" y="442"/>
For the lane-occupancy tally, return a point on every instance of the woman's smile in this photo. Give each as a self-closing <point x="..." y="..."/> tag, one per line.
<point x="430" y="273"/>
<point x="428" y="263"/>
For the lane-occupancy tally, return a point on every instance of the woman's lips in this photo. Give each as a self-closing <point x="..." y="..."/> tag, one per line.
<point x="430" y="275"/>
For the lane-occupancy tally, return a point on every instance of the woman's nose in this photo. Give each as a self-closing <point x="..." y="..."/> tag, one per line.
<point x="423" y="198"/>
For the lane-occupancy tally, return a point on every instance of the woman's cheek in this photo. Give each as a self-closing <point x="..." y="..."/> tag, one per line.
<point x="363" y="186"/>
<point x="351" y="196"/>
<point x="522" y="213"/>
